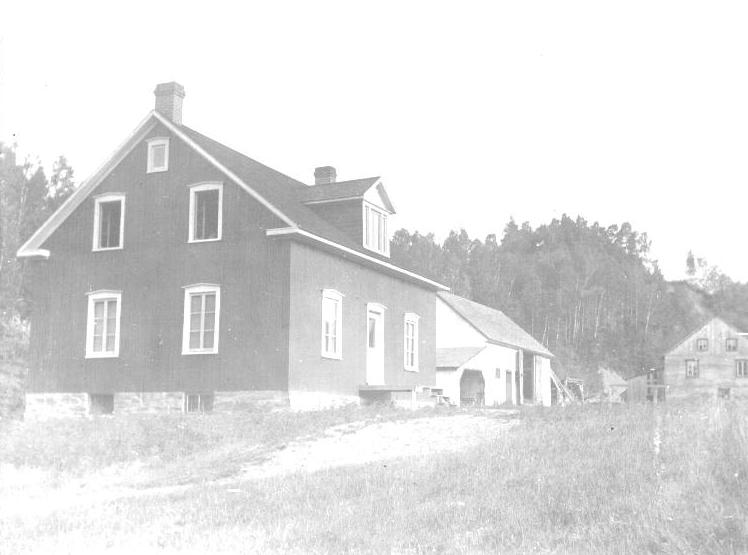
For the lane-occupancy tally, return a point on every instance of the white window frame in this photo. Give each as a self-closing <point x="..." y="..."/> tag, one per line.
<point x="696" y="372"/>
<point x="196" y="189"/>
<point x="368" y="208"/>
<point x="93" y="297"/>
<point x="702" y="341"/>
<point x="410" y="318"/>
<point x="109" y="197"/>
<point x="158" y="141"/>
<point x="197" y="289"/>
<point x="741" y="368"/>
<point x="336" y="296"/>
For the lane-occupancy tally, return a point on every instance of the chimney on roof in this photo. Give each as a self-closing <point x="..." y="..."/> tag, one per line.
<point x="324" y="175"/>
<point x="169" y="98"/>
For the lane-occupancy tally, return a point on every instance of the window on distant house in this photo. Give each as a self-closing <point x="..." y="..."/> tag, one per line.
<point x="206" y="212"/>
<point x="109" y="222"/>
<point x="741" y="368"/>
<point x="103" y="329"/>
<point x="158" y="155"/>
<point x="702" y="344"/>
<point x="692" y="368"/>
<point x="411" y="342"/>
<point x="375" y="230"/>
<point x="100" y="403"/>
<point x="202" y="306"/>
<point x="731" y="344"/>
<point x="198" y="402"/>
<point x="332" y="324"/>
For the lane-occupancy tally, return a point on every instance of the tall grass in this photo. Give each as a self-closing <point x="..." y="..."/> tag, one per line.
<point x="592" y="479"/>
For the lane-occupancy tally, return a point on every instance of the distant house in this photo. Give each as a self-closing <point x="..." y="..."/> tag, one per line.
<point x="483" y="357"/>
<point x="612" y="385"/>
<point x="712" y="360"/>
<point x="186" y="276"/>
<point x="646" y="386"/>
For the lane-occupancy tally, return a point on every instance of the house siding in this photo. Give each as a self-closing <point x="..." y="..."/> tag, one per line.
<point x="151" y="271"/>
<point x="716" y="365"/>
<point x="314" y="270"/>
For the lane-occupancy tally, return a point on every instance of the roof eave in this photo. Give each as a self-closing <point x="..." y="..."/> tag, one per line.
<point x="295" y="231"/>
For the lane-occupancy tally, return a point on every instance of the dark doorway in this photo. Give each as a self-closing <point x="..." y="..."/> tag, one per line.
<point x="472" y="388"/>
<point x="528" y="376"/>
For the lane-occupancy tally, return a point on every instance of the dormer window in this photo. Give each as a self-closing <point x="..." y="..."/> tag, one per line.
<point x="109" y="222"/>
<point x="375" y="230"/>
<point x="158" y="155"/>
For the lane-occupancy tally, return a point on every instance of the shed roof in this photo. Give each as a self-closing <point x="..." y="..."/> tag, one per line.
<point x="454" y="357"/>
<point x="493" y="324"/>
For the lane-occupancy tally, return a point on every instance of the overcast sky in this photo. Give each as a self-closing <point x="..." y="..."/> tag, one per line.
<point x="471" y="112"/>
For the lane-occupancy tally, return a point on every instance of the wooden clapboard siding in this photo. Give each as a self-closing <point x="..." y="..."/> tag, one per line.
<point x="716" y="365"/>
<point x="314" y="270"/>
<point x="151" y="270"/>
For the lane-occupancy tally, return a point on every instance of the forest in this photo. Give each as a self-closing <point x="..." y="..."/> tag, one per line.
<point x="592" y="294"/>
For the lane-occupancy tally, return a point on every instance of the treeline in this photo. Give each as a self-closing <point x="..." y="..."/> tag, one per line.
<point x="27" y="198"/>
<point x="591" y="294"/>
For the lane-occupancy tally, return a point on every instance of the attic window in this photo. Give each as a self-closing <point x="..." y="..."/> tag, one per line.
<point x="702" y="344"/>
<point x="375" y="230"/>
<point x="731" y="344"/>
<point x="158" y="155"/>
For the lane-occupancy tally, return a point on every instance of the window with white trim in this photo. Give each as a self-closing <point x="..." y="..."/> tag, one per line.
<point x="375" y="230"/>
<point x="103" y="327"/>
<point x="410" y="341"/>
<point x="692" y="368"/>
<point x="741" y="368"/>
<point x="206" y="212"/>
<point x="332" y="324"/>
<point x="202" y="307"/>
<point x="731" y="344"/>
<point x="702" y="344"/>
<point x="109" y="222"/>
<point x="158" y="155"/>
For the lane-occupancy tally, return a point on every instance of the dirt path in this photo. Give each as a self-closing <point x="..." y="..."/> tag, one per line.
<point x="350" y="444"/>
<point x="359" y="443"/>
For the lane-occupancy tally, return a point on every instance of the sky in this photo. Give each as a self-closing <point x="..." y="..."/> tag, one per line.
<point x="472" y="112"/>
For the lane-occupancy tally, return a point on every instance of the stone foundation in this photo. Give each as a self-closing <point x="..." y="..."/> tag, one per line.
<point x="159" y="402"/>
<point x="40" y="406"/>
<point x="318" y="400"/>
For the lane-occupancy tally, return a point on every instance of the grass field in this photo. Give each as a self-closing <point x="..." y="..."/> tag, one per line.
<point x="592" y="479"/>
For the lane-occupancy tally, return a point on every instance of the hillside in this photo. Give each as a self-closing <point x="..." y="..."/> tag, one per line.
<point x="591" y="294"/>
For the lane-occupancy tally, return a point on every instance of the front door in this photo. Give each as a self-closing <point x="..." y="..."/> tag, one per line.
<point x="375" y="347"/>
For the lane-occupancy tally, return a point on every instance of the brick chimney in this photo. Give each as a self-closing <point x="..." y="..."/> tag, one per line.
<point x="324" y="175"/>
<point x="169" y="98"/>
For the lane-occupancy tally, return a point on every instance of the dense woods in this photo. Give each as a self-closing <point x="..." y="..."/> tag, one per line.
<point x="27" y="198"/>
<point x="592" y="294"/>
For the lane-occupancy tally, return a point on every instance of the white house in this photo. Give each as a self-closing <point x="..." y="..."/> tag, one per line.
<point x="483" y="357"/>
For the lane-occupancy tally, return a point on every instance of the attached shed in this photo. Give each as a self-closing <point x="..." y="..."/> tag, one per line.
<point x="476" y="342"/>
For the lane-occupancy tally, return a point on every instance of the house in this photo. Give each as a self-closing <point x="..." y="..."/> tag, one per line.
<point x="484" y="358"/>
<point x="645" y="386"/>
<point x="710" y="361"/>
<point x="186" y="276"/>
<point x="612" y="385"/>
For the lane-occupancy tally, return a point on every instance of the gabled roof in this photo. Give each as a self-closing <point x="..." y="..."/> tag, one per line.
<point x="354" y="188"/>
<point x="279" y="193"/>
<point x="454" y="357"/>
<point x="703" y="323"/>
<point x="493" y="324"/>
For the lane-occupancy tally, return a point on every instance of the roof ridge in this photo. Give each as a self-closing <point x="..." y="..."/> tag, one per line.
<point x="238" y="153"/>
